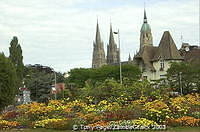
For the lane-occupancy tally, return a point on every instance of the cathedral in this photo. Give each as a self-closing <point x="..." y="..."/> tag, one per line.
<point x="99" y="59"/>
<point x="153" y="61"/>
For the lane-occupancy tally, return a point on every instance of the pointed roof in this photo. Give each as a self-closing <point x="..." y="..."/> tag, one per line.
<point x="146" y="54"/>
<point x="145" y="26"/>
<point x="98" y="36"/>
<point x="145" y="16"/>
<point x="167" y="49"/>
<point x="111" y="39"/>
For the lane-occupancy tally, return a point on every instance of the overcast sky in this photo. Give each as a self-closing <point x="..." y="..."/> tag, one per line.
<point x="60" y="33"/>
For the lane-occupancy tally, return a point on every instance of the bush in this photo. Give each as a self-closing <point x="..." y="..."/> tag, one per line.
<point x="184" y="121"/>
<point x="140" y="122"/>
<point x="8" y="79"/>
<point x="60" y="124"/>
<point x="157" y="111"/>
<point x="8" y="124"/>
<point x="10" y="115"/>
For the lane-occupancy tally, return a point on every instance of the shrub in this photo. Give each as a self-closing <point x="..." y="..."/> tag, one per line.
<point x="60" y="124"/>
<point x="9" y="115"/>
<point x="184" y="121"/>
<point x="140" y="122"/>
<point x="157" y="111"/>
<point x="185" y="105"/>
<point x="8" y="124"/>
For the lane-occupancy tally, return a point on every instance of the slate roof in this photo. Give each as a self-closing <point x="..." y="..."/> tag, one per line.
<point x="167" y="49"/>
<point x="192" y="56"/>
<point x="146" y="54"/>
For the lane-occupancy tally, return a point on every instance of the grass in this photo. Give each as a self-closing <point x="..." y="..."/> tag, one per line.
<point x="172" y="129"/>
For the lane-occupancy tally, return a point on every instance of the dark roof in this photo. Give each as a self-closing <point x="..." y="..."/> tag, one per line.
<point x="167" y="49"/>
<point x="146" y="54"/>
<point x="192" y="56"/>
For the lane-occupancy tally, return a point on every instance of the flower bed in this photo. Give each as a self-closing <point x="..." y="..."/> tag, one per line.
<point x="59" y="114"/>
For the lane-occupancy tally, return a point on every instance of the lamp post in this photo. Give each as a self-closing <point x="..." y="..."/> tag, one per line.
<point x="120" y="65"/>
<point x="55" y="85"/>
<point x="54" y="88"/>
<point x="181" y="87"/>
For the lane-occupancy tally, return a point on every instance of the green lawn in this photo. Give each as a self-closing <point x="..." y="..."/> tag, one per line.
<point x="176" y="129"/>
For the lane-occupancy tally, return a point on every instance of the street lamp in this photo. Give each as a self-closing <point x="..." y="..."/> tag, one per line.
<point x="181" y="87"/>
<point x="54" y="88"/>
<point x="120" y="65"/>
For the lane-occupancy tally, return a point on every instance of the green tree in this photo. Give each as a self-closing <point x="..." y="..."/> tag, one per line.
<point x="80" y="76"/>
<point x="39" y="80"/>
<point x="184" y="75"/>
<point x="39" y="84"/>
<point x="7" y="82"/>
<point x="17" y="59"/>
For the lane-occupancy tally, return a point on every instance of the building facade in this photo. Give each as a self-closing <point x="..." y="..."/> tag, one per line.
<point x="154" y="61"/>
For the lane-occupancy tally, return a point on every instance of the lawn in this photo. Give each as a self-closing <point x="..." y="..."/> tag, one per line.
<point x="176" y="129"/>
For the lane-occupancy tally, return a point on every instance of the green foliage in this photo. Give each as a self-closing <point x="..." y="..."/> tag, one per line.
<point x="101" y="91"/>
<point x="39" y="80"/>
<point x="80" y="76"/>
<point x="17" y="59"/>
<point x="39" y="83"/>
<point x="189" y="75"/>
<point x="7" y="82"/>
<point x="113" y="90"/>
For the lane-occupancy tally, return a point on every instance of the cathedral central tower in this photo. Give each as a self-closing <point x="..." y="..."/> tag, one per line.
<point x="146" y="38"/>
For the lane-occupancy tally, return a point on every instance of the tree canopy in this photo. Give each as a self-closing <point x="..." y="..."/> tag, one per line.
<point x="8" y="82"/>
<point x="17" y="59"/>
<point x="186" y="76"/>
<point x="39" y="80"/>
<point x="79" y="76"/>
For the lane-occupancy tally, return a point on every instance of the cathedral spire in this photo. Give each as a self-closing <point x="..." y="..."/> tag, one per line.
<point x="111" y="39"/>
<point x="98" y="59"/>
<point x="98" y="36"/>
<point x="112" y="50"/>
<point x="145" y="16"/>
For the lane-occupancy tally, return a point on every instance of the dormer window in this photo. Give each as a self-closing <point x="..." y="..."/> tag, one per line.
<point x="162" y="65"/>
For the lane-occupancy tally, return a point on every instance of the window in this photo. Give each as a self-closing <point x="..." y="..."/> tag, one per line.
<point x="145" y="77"/>
<point x="162" y="65"/>
<point x="163" y="76"/>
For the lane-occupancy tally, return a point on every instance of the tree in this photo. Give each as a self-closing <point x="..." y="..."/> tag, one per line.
<point x="80" y="76"/>
<point x="184" y="76"/>
<point x="39" y="80"/>
<point x="17" y="59"/>
<point x="39" y="84"/>
<point x="8" y="78"/>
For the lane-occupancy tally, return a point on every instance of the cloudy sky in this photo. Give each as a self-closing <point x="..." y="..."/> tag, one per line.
<point x="60" y="33"/>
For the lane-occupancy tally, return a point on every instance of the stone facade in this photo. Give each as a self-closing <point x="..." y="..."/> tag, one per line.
<point x="154" y="61"/>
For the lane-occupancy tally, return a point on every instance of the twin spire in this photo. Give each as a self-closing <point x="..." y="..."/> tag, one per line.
<point x="99" y="58"/>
